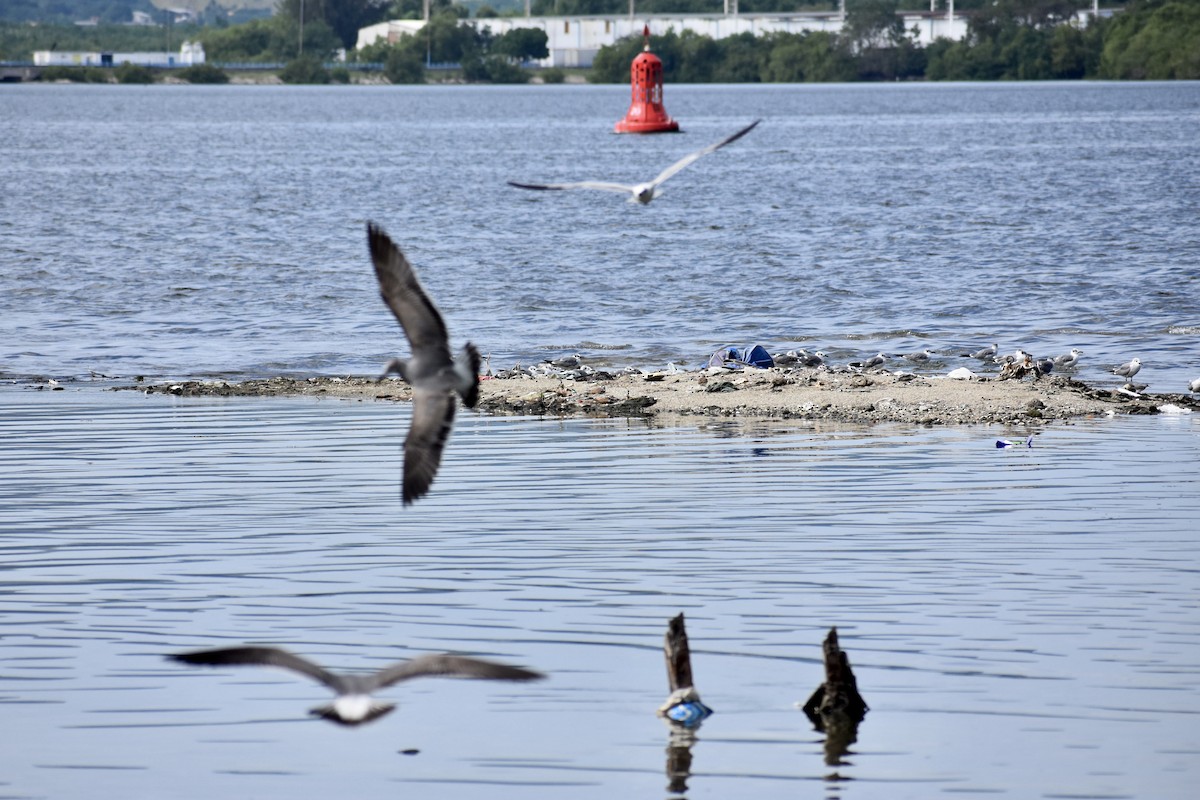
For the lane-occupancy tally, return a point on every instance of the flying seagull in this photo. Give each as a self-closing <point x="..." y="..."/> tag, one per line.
<point x="354" y="704"/>
<point x="433" y="372"/>
<point x="642" y="192"/>
<point x="1128" y="369"/>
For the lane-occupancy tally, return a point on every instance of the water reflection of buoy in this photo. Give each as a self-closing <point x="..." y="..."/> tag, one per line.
<point x="646" y="113"/>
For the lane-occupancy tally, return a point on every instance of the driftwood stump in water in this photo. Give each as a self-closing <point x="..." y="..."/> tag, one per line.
<point x="836" y="707"/>
<point x="839" y="693"/>
<point x="683" y="707"/>
<point x="683" y="710"/>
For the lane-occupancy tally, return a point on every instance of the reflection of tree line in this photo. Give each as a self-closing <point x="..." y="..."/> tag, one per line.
<point x="835" y="708"/>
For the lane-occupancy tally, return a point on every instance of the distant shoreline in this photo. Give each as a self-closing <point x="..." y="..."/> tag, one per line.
<point x="841" y="396"/>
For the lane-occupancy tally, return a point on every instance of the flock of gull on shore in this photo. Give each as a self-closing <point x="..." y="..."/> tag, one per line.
<point x="440" y="379"/>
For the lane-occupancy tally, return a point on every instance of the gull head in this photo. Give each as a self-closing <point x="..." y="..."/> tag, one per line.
<point x="644" y="192"/>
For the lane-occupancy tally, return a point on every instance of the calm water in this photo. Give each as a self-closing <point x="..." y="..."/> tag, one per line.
<point x="1024" y="623"/>
<point x="171" y="231"/>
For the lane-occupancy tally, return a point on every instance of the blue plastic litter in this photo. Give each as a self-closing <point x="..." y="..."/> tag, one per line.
<point x="1002" y="443"/>
<point x="689" y="714"/>
<point x="740" y="357"/>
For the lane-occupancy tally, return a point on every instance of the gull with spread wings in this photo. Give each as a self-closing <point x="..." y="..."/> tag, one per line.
<point x="435" y="375"/>
<point x="354" y="704"/>
<point x="642" y="192"/>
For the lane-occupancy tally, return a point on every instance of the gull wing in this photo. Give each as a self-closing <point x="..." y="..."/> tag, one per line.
<point x="432" y="419"/>
<point x="689" y="158"/>
<point x="258" y="656"/>
<point x="400" y="289"/>
<point x="600" y="185"/>
<point x="446" y="664"/>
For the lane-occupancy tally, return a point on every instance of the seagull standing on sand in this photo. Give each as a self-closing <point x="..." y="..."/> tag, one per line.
<point x="1042" y="366"/>
<point x="434" y="374"/>
<point x="812" y="360"/>
<point x="920" y="355"/>
<point x="870" y="363"/>
<point x="1128" y="369"/>
<point x="986" y="353"/>
<point x="354" y="704"/>
<point x="566" y="362"/>
<point x="642" y="192"/>
<point x="1069" y="360"/>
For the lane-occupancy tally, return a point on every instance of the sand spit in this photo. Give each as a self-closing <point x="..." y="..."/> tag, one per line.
<point x="821" y="394"/>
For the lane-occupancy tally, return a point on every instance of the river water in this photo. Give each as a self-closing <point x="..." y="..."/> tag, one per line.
<point x="1023" y="622"/>
<point x="175" y="231"/>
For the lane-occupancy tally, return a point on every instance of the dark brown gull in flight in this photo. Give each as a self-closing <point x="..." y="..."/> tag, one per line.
<point x="354" y="704"/>
<point x="435" y="375"/>
<point x="642" y="192"/>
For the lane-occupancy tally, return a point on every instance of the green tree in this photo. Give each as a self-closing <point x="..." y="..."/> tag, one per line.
<point x="415" y="9"/>
<point x="344" y="17"/>
<point x="873" y="23"/>
<point x="743" y="59"/>
<point x="810" y="57"/>
<point x="1154" y="41"/>
<point x="611" y="64"/>
<point x="449" y="42"/>
<point x="498" y="69"/>
<point x="404" y="64"/>
<point x="265" y="40"/>
<point x="133" y="73"/>
<point x="996" y="19"/>
<point x="203" y="73"/>
<point x="304" y="69"/>
<point x="522" y="44"/>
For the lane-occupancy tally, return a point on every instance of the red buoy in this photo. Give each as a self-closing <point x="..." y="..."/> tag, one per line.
<point x="646" y="113"/>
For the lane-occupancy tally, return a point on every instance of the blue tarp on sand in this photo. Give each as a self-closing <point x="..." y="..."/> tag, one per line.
<point x="738" y="357"/>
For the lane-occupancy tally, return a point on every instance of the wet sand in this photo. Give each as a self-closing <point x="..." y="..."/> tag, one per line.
<point x="803" y="394"/>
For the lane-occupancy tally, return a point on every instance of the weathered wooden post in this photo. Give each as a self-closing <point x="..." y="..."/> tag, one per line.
<point x="682" y="710"/>
<point x="683" y="706"/>
<point x="836" y="708"/>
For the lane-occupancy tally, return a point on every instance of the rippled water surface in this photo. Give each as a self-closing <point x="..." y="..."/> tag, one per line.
<point x="176" y="231"/>
<point x="1023" y="622"/>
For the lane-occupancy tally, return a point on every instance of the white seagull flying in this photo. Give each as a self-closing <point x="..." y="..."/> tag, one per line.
<point x="642" y="192"/>
<point x="433" y="372"/>
<point x="354" y="704"/>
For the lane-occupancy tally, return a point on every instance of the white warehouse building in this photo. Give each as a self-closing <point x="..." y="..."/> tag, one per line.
<point x="573" y="41"/>
<point x="190" y="54"/>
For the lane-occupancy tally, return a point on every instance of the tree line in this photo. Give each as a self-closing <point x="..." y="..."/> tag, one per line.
<point x="1006" y="40"/>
